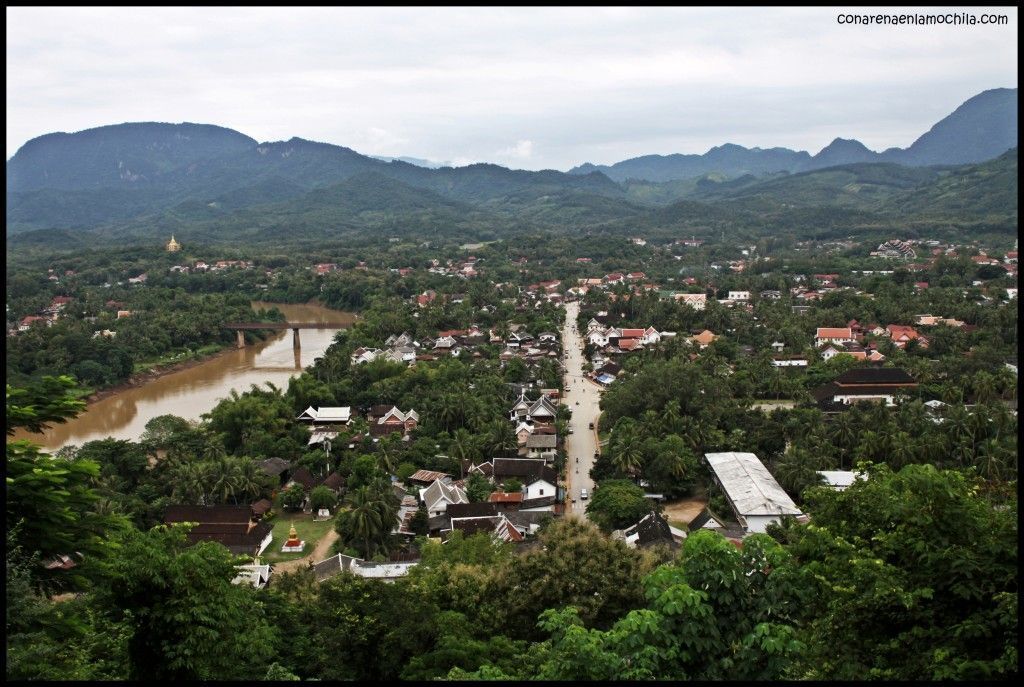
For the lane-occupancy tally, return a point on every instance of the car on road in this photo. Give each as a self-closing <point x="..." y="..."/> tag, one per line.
<point x="591" y="425"/>
<point x="584" y="494"/>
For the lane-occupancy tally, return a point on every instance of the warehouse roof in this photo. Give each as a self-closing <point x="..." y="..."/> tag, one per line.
<point x="749" y="486"/>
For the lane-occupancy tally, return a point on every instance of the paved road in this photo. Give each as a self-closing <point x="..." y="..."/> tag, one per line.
<point x="581" y="444"/>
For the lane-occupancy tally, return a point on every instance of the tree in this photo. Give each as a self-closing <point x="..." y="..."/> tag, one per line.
<point x="47" y="401"/>
<point x="617" y="504"/>
<point x="478" y="488"/>
<point x="916" y="573"/>
<point x="293" y="497"/>
<point x="187" y="620"/>
<point x="368" y="523"/>
<point x="323" y="498"/>
<point x="51" y="502"/>
<point x="420" y="522"/>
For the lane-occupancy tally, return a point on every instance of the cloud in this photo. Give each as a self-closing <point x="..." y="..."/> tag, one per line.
<point x="566" y="85"/>
<point x="522" y="150"/>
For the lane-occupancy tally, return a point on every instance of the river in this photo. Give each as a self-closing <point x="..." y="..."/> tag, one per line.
<point x="191" y="392"/>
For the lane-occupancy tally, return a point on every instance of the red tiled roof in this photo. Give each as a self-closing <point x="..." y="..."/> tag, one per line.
<point x="834" y="333"/>
<point x="506" y="497"/>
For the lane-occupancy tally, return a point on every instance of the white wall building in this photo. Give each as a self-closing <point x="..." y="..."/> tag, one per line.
<point x="756" y="498"/>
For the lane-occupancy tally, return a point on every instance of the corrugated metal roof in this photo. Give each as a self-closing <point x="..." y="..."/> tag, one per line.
<point x="749" y="485"/>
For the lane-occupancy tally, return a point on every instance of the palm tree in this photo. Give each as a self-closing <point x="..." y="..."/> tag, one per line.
<point x="249" y="478"/>
<point x="464" y="446"/>
<point x="984" y="387"/>
<point x="670" y="417"/>
<point x="369" y="521"/>
<point x="626" y="448"/>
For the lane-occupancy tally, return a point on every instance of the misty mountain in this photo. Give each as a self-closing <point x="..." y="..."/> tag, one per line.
<point x="982" y="128"/>
<point x="417" y="161"/>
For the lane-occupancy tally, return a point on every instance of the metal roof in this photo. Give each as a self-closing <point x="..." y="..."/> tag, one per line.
<point x="749" y="486"/>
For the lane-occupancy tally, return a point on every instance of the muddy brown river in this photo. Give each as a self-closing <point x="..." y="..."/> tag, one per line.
<point x="190" y="393"/>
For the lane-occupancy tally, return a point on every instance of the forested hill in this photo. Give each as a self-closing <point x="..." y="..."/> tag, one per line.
<point x="138" y="155"/>
<point x="303" y="190"/>
<point x="982" y="128"/>
<point x="132" y="170"/>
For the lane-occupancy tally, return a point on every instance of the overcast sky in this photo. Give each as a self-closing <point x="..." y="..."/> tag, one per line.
<point x="529" y="88"/>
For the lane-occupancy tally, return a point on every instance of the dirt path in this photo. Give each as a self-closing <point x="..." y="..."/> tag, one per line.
<point x="684" y="510"/>
<point x="321" y="552"/>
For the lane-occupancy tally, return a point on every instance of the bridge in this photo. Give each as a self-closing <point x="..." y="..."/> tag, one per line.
<point x="241" y="327"/>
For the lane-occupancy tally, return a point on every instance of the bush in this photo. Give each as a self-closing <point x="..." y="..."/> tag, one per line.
<point x="293" y="497"/>
<point x="323" y="497"/>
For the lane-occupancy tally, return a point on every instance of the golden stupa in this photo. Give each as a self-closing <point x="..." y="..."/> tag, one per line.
<point x="173" y="246"/>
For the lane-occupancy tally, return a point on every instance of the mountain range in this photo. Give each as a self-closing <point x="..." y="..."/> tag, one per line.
<point x="982" y="128"/>
<point x="141" y="180"/>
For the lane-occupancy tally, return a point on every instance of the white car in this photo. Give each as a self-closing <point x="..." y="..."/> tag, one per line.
<point x="584" y="494"/>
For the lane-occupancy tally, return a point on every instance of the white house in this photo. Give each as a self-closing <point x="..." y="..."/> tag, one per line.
<point x="651" y="336"/>
<point x="755" y="497"/>
<point x="736" y="296"/>
<point x="538" y="489"/>
<point x="833" y="335"/>
<point x="339" y="415"/>
<point x="697" y="301"/>
<point x="439" y="495"/>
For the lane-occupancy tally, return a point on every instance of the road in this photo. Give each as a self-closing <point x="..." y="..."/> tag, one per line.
<point x="583" y="398"/>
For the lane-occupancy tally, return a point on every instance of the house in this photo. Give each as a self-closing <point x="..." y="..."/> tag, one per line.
<point x="864" y="384"/>
<point x="771" y="295"/>
<point x="901" y="335"/>
<point x="232" y="526"/>
<point x="789" y="361"/>
<point x="826" y="335"/>
<point x="303" y="477"/>
<point x="703" y="339"/>
<point x="334" y="415"/>
<point x="503" y="498"/>
<point x="253" y="574"/>
<point x="541" y="410"/>
<point x="539" y="488"/>
<point x="650" y="530"/>
<point x="739" y="296"/>
<point x="397" y="421"/>
<point x="275" y="467"/>
<point x="526" y="470"/>
<point x="439" y="495"/>
<point x="427" y="477"/>
<point x="756" y="498"/>
<point x="697" y="301"/>
<point x="365" y="355"/>
<point x="340" y="563"/>
<point x="541" y="445"/>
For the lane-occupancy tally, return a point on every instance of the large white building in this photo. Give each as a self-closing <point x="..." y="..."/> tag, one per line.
<point x="756" y="498"/>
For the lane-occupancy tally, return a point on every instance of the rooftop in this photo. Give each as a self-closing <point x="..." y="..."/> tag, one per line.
<point x="749" y="486"/>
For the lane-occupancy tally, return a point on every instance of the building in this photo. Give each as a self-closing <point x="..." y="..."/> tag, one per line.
<point x="757" y="500"/>
<point x="232" y="526"/>
<point x="864" y="384"/>
<point x="839" y="335"/>
<point x="173" y="246"/>
<point x="839" y="479"/>
<point x="326" y="415"/>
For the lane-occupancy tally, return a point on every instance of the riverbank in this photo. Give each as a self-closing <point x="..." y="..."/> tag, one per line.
<point x="156" y="371"/>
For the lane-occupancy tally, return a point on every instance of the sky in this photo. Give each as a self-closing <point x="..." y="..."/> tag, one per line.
<point x="528" y="88"/>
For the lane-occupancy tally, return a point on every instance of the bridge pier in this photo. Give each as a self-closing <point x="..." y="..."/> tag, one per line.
<point x="295" y="339"/>
<point x="241" y="338"/>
